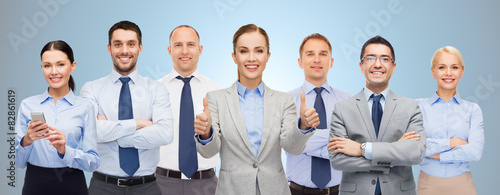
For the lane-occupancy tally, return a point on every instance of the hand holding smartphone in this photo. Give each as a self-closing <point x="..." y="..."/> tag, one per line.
<point x="38" y="116"/>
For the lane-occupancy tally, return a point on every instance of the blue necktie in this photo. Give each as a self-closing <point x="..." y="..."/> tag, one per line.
<point x="129" y="157"/>
<point x="188" y="158"/>
<point x="376" y="112"/>
<point x="376" y="118"/>
<point x="320" y="167"/>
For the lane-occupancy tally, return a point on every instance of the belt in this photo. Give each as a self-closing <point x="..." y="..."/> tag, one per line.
<point x="177" y="174"/>
<point x="308" y="190"/>
<point x="124" y="181"/>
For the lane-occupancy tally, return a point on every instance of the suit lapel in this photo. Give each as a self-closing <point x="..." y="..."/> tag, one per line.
<point x="390" y="106"/>
<point x="365" y="115"/>
<point x="270" y="107"/>
<point x="233" y="103"/>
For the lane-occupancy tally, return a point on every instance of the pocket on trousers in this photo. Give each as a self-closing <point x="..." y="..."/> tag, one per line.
<point x="348" y="187"/>
<point x="407" y="185"/>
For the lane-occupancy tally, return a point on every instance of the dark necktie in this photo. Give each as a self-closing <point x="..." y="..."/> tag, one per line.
<point x="376" y="118"/>
<point x="376" y="112"/>
<point x="320" y="167"/>
<point x="188" y="159"/>
<point x="129" y="157"/>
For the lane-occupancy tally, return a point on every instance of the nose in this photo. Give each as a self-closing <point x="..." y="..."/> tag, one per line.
<point x="316" y="59"/>
<point x="184" y="50"/>
<point x="54" y="71"/>
<point x="125" y="49"/>
<point x="448" y="71"/>
<point x="378" y="63"/>
<point x="251" y="57"/>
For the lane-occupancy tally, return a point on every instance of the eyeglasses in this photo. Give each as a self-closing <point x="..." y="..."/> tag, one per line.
<point x="372" y="59"/>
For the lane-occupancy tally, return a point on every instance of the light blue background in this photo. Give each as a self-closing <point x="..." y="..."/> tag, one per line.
<point x="415" y="28"/>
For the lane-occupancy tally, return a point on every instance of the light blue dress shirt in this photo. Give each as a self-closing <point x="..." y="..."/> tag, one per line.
<point x="369" y="100"/>
<point x="253" y="115"/>
<point x="150" y="101"/>
<point x="72" y="115"/>
<point x="298" y="168"/>
<point x="456" y="118"/>
<point x="252" y="111"/>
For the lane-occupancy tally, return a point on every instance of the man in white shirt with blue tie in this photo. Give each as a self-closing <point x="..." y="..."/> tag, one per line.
<point x="134" y="119"/>
<point x="181" y="169"/>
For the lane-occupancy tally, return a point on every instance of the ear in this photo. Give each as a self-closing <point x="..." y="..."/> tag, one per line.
<point x="73" y="66"/>
<point x="140" y="49"/>
<point x="234" y="58"/>
<point x="169" y="51"/>
<point x="361" y="67"/>
<point x="201" y="49"/>
<point x="109" y="49"/>
<point x="300" y="63"/>
<point x="331" y="64"/>
<point x="432" y="73"/>
<point x="268" y="56"/>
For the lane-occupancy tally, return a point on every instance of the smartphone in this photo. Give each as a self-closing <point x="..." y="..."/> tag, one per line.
<point x="38" y="116"/>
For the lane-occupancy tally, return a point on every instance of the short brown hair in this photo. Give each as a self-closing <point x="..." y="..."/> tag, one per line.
<point x="248" y="29"/>
<point x="125" y="25"/>
<point x="314" y="36"/>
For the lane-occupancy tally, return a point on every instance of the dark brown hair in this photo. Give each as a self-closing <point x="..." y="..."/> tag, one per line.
<point x="377" y="40"/>
<point x="62" y="46"/>
<point x="125" y="25"/>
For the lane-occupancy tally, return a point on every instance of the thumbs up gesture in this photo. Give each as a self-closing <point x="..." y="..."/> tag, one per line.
<point x="203" y="122"/>
<point x="308" y="116"/>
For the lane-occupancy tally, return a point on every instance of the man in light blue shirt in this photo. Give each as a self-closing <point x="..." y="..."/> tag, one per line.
<point x="316" y="60"/>
<point x="129" y="147"/>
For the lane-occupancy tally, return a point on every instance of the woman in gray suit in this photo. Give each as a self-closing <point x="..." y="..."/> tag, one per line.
<point x="249" y="123"/>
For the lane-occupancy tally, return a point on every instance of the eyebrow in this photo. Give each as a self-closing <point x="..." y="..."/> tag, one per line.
<point x="383" y="55"/>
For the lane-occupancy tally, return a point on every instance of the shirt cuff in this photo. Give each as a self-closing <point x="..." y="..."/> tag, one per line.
<point x="368" y="150"/>
<point x="205" y="142"/>
<point x="304" y="131"/>
<point x="24" y="149"/>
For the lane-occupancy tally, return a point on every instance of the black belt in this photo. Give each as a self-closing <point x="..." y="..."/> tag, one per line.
<point x="308" y="190"/>
<point x="177" y="174"/>
<point x="124" y="181"/>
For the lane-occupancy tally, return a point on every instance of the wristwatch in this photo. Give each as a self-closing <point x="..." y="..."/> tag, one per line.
<point x="363" y="146"/>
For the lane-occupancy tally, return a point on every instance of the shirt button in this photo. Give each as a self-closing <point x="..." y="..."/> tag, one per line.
<point x="255" y="165"/>
<point x="374" y="182"/>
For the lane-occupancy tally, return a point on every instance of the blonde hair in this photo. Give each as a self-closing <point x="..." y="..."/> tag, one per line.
<point x="450" y="50"/>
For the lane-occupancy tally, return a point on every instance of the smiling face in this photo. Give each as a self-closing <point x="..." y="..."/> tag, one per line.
<point x="447" y="71"/>
<point x="251" y="57"/>
<point x="377" y="73"/>
<point x="316" y="61"/>
<point x="57" y="70"/>
<point x="185" y="50"/>
<point x="124" y="50"/>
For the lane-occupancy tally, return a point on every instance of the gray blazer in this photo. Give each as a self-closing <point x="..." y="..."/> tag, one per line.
<point x="241" y="170"/>
<point x="391" y="159"/>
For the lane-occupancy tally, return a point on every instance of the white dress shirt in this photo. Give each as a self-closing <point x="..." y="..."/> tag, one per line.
<point x="150" y="101"/>
<point x="200" y="85"/>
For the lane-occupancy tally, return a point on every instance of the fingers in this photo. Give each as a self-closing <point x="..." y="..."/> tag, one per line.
<point x="205" y="105"/>
<point x="201" y="124"/>
<point x="101" y="117"/>
<point x="302" y="99"/>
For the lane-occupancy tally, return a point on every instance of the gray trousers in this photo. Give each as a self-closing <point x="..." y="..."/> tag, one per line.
<point x="177" y="186"/>
<point x="98" y="187"/>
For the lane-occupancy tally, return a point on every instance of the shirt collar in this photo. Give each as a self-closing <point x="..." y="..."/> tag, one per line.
<point x="308" y="87"/>
<point x="174" y="74"/>
<point x="242" y="89"/>
<point x="115" y="76"/>
<point x="70" y="97"/>
<point x="368" y="93"/>
<point x="435" y="98"/>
